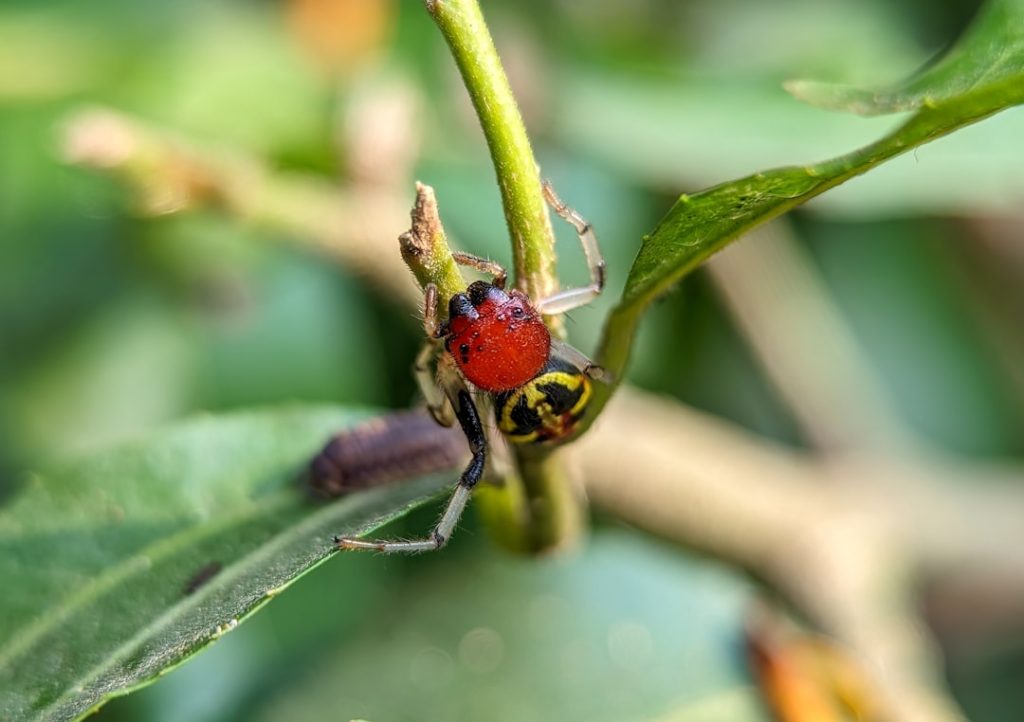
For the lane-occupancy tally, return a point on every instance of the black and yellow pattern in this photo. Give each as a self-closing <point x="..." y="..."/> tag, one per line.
<point x="547" y="407"/>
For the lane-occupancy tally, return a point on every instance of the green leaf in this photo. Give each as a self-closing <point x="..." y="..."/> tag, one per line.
<point x="990" y="52"/>
<point x="698" y="132"/>
<point x="503" y="639"/>
<point x="697" y="226"/>
<point x="121" y="566"/>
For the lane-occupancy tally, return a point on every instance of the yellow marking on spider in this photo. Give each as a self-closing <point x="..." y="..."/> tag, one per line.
<point x="584" y="397"/>
<point x="537" y="401"/>
<point x="523" y="438"/>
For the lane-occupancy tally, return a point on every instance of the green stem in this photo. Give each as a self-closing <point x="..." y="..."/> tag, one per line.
<point x="463" y="27"/>
<point x="537" y="507"/>
<point x="555" y="508"/>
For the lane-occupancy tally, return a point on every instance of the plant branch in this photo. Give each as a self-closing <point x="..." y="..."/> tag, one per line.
<point x="804" y="345"/>
<point x="849" y="556"/>
<point x="352" y="225"/>
<point x="465" y="31"/>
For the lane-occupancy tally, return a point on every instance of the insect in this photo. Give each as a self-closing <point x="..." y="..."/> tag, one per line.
<point x="495" y="341"/>
<point x="382" y="450"/>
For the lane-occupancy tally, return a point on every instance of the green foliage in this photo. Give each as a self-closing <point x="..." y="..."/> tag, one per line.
<point x="109" y="324"/>
<point x="111" y="554"/>
<point x="990" y="53"/>
<point x="507" y="640"/>
<point x="474" y="635"/>
<point x="463" y="27"/>
<point x="979" y="78"/>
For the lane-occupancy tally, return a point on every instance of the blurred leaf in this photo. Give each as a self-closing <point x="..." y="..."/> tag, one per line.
<point x="724" y="110"/>
<point x="806" y="677"/>
<point x="735" y="705"/>
<point x="879" y="39"/>
<point x="697" y="226"/>
<point x="43" y="57"/>
<point x="727" y="116"/>
<point x="990" y="52"/>
<point x="126" y="369"/>
<point x="686" y="132"/>
<point x="232" y="74"/>
<point x="689" y="133"/>
<point x="898" y="285"/>
<point x="123" y="565"/>
<point x="219" y="341"/>
<point x="506" y="639"/>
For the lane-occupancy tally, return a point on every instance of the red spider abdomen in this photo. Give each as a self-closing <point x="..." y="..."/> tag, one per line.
<point x="505" y="346"/>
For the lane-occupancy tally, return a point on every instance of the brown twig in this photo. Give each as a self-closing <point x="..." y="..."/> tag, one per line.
<point x="353" y="225"/>
<point x="424" y="248"/>
<point x="797" y="334"/>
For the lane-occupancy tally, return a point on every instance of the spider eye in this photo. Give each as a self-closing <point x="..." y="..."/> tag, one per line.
<point x="517" y="312"/>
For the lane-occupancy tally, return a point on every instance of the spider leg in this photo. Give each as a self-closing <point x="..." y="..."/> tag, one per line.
<point x="571" y="298"/>
<point x="437" y="401"/>
<point x="499" y="462"/>
<point x="580" y="360"/>
<point x="430" y="322"/>
<point x="422" y="369"/>
<point x="472" y="427"/>
<point x="484" y="266"/>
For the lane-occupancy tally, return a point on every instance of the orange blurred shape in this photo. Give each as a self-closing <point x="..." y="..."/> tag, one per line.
<point x="340" y="34"/>
<point x="806" y="677"/>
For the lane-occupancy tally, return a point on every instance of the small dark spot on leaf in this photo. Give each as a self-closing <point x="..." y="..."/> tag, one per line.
<point x="201" y="577"/>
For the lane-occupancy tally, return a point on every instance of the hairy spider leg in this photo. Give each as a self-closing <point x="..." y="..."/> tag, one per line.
<point x="571" y="298"/>
<point x="473" y="428"/>
<point x="438" y="404"/>
<point x="579" y="359"/>
<point x="430" y="325"/>
<point x="483" y="265"/>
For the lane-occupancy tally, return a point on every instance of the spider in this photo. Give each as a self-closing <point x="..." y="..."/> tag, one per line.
<point x="495" y="341"/>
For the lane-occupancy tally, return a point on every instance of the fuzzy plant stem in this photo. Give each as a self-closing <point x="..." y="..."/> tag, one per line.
<point x="463" y="27"/>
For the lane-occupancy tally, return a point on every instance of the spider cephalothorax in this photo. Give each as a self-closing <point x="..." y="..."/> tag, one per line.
<point x="495" y="342"/>
<point x="496" y="337"/>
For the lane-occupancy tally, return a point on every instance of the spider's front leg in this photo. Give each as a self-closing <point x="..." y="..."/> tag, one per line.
<point x="571" y="298"/>
<point x="483" y="265"/>
<point x="469" y="419"/>
<point x="571" y="354"/>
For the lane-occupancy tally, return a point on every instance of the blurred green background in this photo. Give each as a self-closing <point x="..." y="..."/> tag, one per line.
<point x="113" y="320"/>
